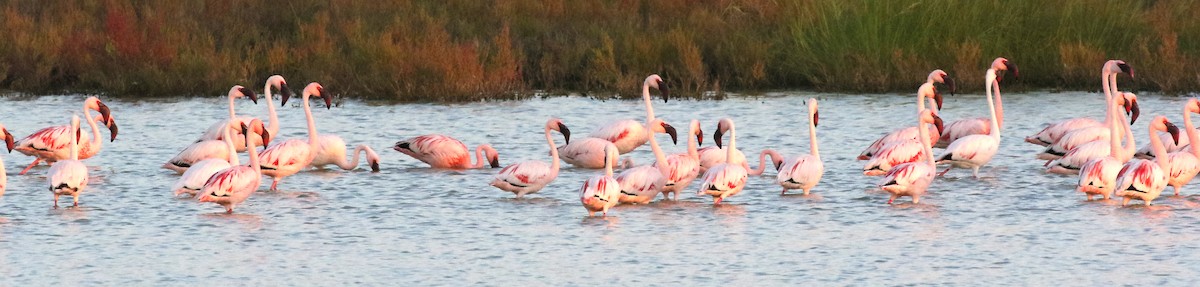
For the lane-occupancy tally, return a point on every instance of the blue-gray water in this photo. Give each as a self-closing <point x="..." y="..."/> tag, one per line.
<point x="410" y="225"/>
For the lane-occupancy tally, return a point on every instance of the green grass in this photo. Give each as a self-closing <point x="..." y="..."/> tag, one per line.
<point x="463" y="50"/>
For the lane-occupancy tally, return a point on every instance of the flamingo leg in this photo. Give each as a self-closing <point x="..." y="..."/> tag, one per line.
<point x="273" y="184"/>
<point x="1125" y="201"/>
<point x="31" y="165"/>
<point x="76" y="197"/>
<point x="783" y="192"/>
<point x="890" y="199"/>
<point x="940" y="174"/>
<point x="56" y="200"/>
<point x="806" y="192"/>
<point x="1047" y="163"/>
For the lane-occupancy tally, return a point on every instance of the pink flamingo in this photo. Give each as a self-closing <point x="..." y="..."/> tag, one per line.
<point x="601" y="192"/>
<point x="50" y="144"/>
<point x="1143" y="179"/>
<point x="910" y="133"/>
<point x="1055" y="131"/>
<point x="804" y="171"/>
<point x="1074" y="138"/>
<point x="642" y="184"/>
<point x="69" y="176"/>
<point x="331" y="150"/>
<point x="231" y="186"/>
<point x="193" y="180"/>
<point x="683" y="168"/>
<point x="8" y="143"/>
<point x="729" y="178"/>
<point x="529" y="177"/>
<point x="286" y="158"/>
<point x="216" y="148"/>
<point x="775" y="157"/>
<point x="630" y="134"/>
<point x="980" y="126"/>
<point x="440" y="151"/>
<point x="975" y="150"/>
<point x="1073" y="161"/>
<point x="1183" y="165"/>
<point x="713" y="156"/>
<point x="1098" y="176"/>
<point x="584" y="153"/>
<point x="214" y="132"/>
<point x="899" y="152"/>
<point x="913" y="178"/>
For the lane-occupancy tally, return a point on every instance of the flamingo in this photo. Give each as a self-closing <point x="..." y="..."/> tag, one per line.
<point x="584" y="153"/>
<point x="1077" y="137"/>
<point x="231" y="186"/>
<point x="1073" y="161"/>
<point x="529" y="177"/>
<point x="216" y="148"/>
<point x="286" y="158"/>
<point x="1143" y="179"/>
<point x="214" y="132"/>
<point x="69" y="176"/>
<point x="601" y="192"/>
<point x="1183" y="165"/>
<point x="776" y="159"/>
<point x="1098" y="176"/>
<point x="332" y="150"/>
<point x="630" y="134"/>
<point x="1055" y="131"/>
<point x="683" y="168"/>
<point x="980" y="126"/>
<point x="8" y="143"/>
<point x="898" y="152"/>
<point x="729" y="178"/>
<point x="195" y="177"/>
<point x="910" y="133"/>
<point x="642" y="184"/>
<point x="50" y="144"/>
<point x="975" y="150"/>
<point x="804" y="171"/>
<point x="440" y="151"/>
<point x="713" y="156"/>
<point x="913" y="178"/>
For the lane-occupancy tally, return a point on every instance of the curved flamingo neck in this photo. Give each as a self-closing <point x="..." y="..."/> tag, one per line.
<point x="272" y="127"/>
<point x="812" y="136"/>
<point x="659" y="157"/>
<point x="232" y="115"/>
<point x="343" y="164"/>
<point x="228" y="139"/>
<point x="762" y="164"/>
<point x="921" y="97"/>
<point x="1114" y="138"/>
<point x="96" y="142"/>
<point x="481" y="153"/>
<point x="1159" y="150"/>
<point x="610" y="159"/>
<point x="1126" y="152"/>
<point x="554" y="162"/>
<point x="646" y="99"/>
<point x="991" y="79"/>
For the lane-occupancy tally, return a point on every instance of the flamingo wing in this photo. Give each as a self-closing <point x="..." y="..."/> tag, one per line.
<point x="962" y="128"/>
<point x="289" y="154"/>
<point x="802" y="170"/>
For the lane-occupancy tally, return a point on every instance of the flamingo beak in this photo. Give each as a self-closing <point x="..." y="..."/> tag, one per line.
<point x="816" y="117"/>
<point x="562" y="128"/>
<point x="249" y="94"/>
<point x="778" y="164"/>
<point x="671" y="131"/>
<point x="717" y="137"/>
<point x="112" y="129"/>
<point x="8" y="140"/>
<point x="1134" y="110"/>
<point x="1174" y="131"/>
<point x="374" y="166"/>
<point x="1012" y="67"/>
<point x="699" y="137"/>
<point x="266" y="137"/>
<point x="666" y="91"/>
<point x="949" y="83"/>
<point x="1126" y="68"/>
<point x="937" y="122"/>
<point x="328" y="99"/>
<point x="402" y="146"/>
<point x="284" y="94"/>
<point x="937" y="99"/>
<point x="104" y="111"/>
<point x="494" y="161"/>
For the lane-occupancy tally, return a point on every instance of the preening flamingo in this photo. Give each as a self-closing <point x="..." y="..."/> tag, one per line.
<point x="231" y="186"/>
<point x="440" y="151"/>
<point x="286" y="158"/>
<point x="913" y="178"/>
<point x="50" y="144"/>
<point x="68" y="176"/>
<point x="630" y="134"/>
<point x="729" y="178"/>
<point x="1055" y="131"/>
<point x="8" y="144"/>
<point x="804" y="171"/>
<point x="1098" y="176"/>
<point x="975" y="150"/>
<point x="1073" y="161"/>
<point x="1182" y="166"/>
<point x="529" y="177"/>
<point x="898" y="152"/>
<point x="683" y="168"/>
<point x="275" y="82"/>
<point x="217" y="148"/>
<point x="642" y="184"/>
<point x="910" y="133"/>
<point x="601" y="192"/>
<point x="981" y="125"/>
<point x="1143" y="179"/>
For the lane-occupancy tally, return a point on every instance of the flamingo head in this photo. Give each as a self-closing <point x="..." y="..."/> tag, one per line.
<point x="1118" y="66"/>
<point x="8" y="139"/>
<point x="240" y="91"/>
<point x="277" y="82"/>
<point x="557" y="124"/>
<point x="1161" y="123"/>
<point x="656" y="82"/>
<point x="405" y="147"/>
<point x="812" y="109"/>
<point x="1193" y="106"/>
<point x="928" y="117"/>
<point x="722" y="127"/>
<point x="928" y="90"/>
<point x="1131" y="106"/>
<point x="697" y="132"/>
<point x="1002" y="64"/>
<point x="373" y="160"/>
<point x="94" y="103"/>
<point x="940" y="76"/>
<point x="660" y="126"/>
<point x="111" y="123"/>
<point x="257" y="126"/>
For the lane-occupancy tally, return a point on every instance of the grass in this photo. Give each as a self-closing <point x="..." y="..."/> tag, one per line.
<point x="464" y="50"/>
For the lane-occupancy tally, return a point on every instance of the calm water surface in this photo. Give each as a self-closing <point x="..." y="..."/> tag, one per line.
<point x="412" y="225"/>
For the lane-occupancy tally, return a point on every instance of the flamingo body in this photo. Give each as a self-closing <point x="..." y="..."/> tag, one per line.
<point x="440" y="151"/>
<point x="194" y="178"/>
<point x="584" y="153"/>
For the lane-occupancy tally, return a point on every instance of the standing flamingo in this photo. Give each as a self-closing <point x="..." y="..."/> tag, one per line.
<point x="585" y="153"/>
<point x="440" y="151"/>
<point x="1183" y="165"/>
<point x="216" y="148"/>
<point x="193" y="179"/>
<point x="981" y="126"/>
<point x="1073" y="161"/>
<point x="898" y="152"/>
<point x="50" y="144"/>
<point x="910" y="133"/>
<point x="683" y="168"/>
<point x="714" y="155"/>
<point x="1143" y="179"/>
<point x="214" y="131"/>
<point x="1098" y="176"/>
<point x="1055" y="131"/>
<point x="729" y="178"/>
<point x="601" y="192"/>
<point x="1077" y="137"/>
<point x="69" y="176"/>
<point x="286" y="158"/>
<point x="8" y="143"/>
<point x="630" y="134"/>
<point x="642" y="184"/>
<point x="975" y="150"/>
<point x="913" y="178"/>
<point x="804" y="171"/>
<point x="529" y="177"/>
<point x="231" y="186"/>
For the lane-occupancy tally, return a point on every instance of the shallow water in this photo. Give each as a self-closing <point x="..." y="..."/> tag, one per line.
<point x="410" y="224"/>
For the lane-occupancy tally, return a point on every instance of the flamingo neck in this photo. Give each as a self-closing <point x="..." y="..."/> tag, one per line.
<point x="610" y="159"/>
<point x="923" y="135"/>
<point x="691" y="141"/>
<point x="481" y="153"/>
<point x="646" y="99"/>
<point x="554" y="164"/>
<point x="991" y="78"/>
<point x="273" y="126"/>
<point x="660" y="159"/>
<point x="729" y="152"/>
<point x="253" y="153"/>
<point x="96" y="142"/>
<point x="1130" y="147"/>
<point x="921" y="98"/>
<point x="75" y="140"/>
<point x="1114" y="138"/>
<point x="228" y="139"/>
<point x="1108" y="92"/>
<point x="812" y="136"/>
<point x="231" y="111"/>
<point x="313" y="140"/>
<point x="999" y="113"/>
<point x="353" y="159"/>
<point x="762" y="164"/>
<point x="1159" y="150"/>
<point x="1193" y="136"/>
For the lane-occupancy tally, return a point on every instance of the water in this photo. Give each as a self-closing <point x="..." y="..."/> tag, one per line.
<point x="411" y="225"/>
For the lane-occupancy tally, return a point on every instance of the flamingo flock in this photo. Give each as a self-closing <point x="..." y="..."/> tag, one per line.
<point x="1099" y="153"/>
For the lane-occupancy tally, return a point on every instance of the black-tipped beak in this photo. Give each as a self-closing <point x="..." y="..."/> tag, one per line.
<point x="495" y="161"/>
<point x="1174" y="131"/>
<point x="245" y="129"/>
<point x="666" y="91"/>
<point x="1013" y="67"/>
<point x="104" y="111"/>
<point x="778" y="164"/>
<point x="266" y="137"/>
<point x="816" y="118"/>
<point x="671" y="131"/>
<point x="112" y="129"/>
<point x="328" y="99"/>
<point x="374" y="166"/>
<point x="717" y="137"/>
<point x="1126" y="68"/>
<point x="284" y="95"/>
<point x="8" y="141"/>
<point x="937" y="122"/>
<point x="562" y="128"/>
<point x="950" y="83"/>
<point x="402" y="145"/>
<point x="1134" y="110"/>
<point x="249" y="94"/>
<point x="699" y="137"/>
<point x="937" y="99"/>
